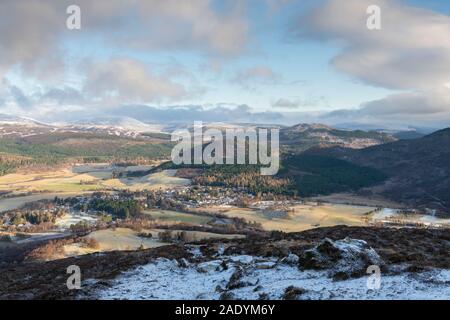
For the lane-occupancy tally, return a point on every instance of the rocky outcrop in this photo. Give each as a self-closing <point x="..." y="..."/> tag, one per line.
<point x="270" y="265"/>
<point x="342" y="258"/>
<point x="293" y="293"/>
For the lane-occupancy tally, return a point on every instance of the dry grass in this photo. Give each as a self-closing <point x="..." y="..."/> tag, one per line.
<point x="300" y="217"/>
<point x="155" y="181"/>
<point x="169" y="216"/>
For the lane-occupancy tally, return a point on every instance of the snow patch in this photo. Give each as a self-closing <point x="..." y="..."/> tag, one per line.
<point x="343" y="259"/>
<point x="166" y="279"/>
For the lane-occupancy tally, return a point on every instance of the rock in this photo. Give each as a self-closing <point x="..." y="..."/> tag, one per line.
<point x="343" y="258"/>
<point x="235" y="281"/>
<point x="265" y="265"/>
<point x="219" y="289"/>
<point x="235" y="278"/>
<point x="209" y="266"/>
<point x="183" y="263"/>
<point x="293" y="293"/>
<point x="291" y="259"/>
<point x="202" y="296"/>
<point x="224" y="265"/>
<point x="227" y="295"/>
<point x="258" y="288"/>
<point x="207" y="251"/>
<point x="103" y="283"/>
<point x="263" y="296"/>
<point x="322" y="256"/>
<point x="220" y="249"/>
<point x="244" y="259"/>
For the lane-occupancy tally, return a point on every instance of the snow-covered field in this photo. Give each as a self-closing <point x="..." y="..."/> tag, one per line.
<point x="386" y="215"/>
<point x="73" y="218"/>
<point x="262" y="278"/>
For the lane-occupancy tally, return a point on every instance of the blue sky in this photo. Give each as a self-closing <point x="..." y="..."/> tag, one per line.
<point x="303" y="67"/>
<point x="297" y="59"/>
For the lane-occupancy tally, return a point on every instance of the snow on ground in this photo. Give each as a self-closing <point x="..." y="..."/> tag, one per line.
<point x="263" y="278"/>
<point x="386" y="213"/>
<point x="165" y="280"/>
<point x="73" y="218"/>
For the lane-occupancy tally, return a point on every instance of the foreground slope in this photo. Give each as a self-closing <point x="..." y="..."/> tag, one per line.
<point x="410" y="257"/>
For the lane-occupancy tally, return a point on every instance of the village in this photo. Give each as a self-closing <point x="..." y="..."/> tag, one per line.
<point x="223" y="210"/>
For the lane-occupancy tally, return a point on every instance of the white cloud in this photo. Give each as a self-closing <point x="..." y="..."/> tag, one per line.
<point x="194" y="24"/>
<point x="411" y="52"/>
<point x="286" y="103"/>
<point x="33" y="39"/>
<point x="108" y="84"/>
<point x="419" y="109"/>
<point x="131" y="81"/>
<point x="309" y="100"/>
<point x="190" y="113"/>
<point x="31" y="32"/>
<point x="256" y="75"/>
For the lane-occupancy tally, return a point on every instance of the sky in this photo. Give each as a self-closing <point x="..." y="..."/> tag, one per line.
<point x="268" y="61"/>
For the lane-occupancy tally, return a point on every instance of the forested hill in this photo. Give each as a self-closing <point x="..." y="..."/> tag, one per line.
<point x="301" y="137"/>
<point x="58" y="147"/>
<point x="418" y="169"/>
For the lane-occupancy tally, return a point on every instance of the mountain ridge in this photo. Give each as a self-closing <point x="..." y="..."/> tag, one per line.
<point x="418" y="169"/>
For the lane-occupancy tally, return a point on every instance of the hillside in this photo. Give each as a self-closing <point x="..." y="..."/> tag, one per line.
<point x="413" y="250"/>
<point x="318" y="175"/>
<point x="300" y="174"/>
<point x="418" y="169"/>
<point x="20" y="127"/>
<point x="301" y="137"/>
<point x="58" y="147"/>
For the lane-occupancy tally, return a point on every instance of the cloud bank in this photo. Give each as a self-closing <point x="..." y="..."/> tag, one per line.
<point x="124" y="42"/>
<point x="33" y="36"/>
<point x="410" y="54"/>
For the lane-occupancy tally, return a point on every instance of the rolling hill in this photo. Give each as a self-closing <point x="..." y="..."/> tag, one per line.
<point x="301" y="137"/>
<point x="25" y="142"/>
<point x="418" y="169"/>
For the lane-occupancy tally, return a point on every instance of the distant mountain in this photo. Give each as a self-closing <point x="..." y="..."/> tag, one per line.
<point x="298" y="138"/>
<point x="303" y="136"/>
<point x="410" y="134"/>
<point x="21" y="127"/>
<point x="27" y="143"/>
<point x="418" y="169"/>
<point x="117" y="125"/>
<point x="7" y="119"/>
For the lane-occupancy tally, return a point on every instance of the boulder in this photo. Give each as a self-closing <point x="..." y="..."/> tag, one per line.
<point x="293" y="293"/>
<point x="291" y="259"/>
<point x="209" y="266"/>
<point x="183" y="263"/>
<point x="235" y="281"/>
<point x="227" y="295"/>
<point x="343" y="259"/>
